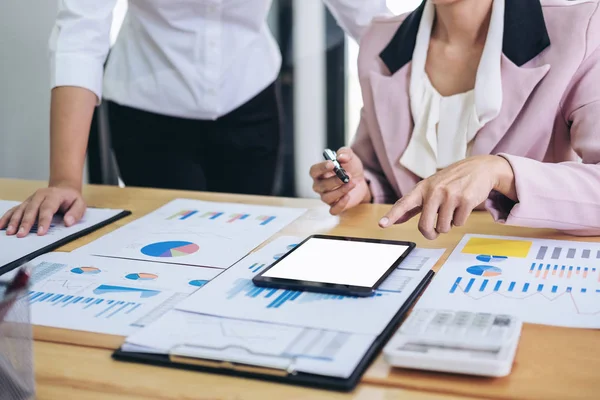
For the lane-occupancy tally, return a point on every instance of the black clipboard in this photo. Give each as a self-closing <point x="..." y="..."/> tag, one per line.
<point x="61" y="242"/>
<point x="277" y="375"/>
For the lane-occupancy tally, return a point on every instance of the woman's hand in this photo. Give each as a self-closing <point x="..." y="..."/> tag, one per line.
<point x="452" y="194"/>
<point x="41" y="207"/>
<point x="333" y="191"/>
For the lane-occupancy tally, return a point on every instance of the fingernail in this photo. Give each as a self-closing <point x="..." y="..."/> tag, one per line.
<point x="10" y="228"/>
<point x="40" y="230"/>
<point x="384" y="222"/>
<point x="69" y="220"/>
<point x="21" y="230"/>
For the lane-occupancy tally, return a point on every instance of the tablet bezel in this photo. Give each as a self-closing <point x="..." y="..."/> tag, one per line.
<point x="334" y="288"/>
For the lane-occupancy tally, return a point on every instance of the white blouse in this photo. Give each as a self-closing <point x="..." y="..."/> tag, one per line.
<point x="446" y="126"/>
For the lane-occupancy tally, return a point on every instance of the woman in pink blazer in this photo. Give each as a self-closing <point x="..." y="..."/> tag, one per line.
<point x="478" y="103"/>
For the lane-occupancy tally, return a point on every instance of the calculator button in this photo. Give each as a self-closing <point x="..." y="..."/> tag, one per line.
<point x="496" y="333"/>
<point x="502" y="320"/>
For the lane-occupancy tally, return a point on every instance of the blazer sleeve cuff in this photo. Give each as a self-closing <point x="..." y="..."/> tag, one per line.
<point x="541" y="204"/>
<point x="76" y="70"/>
<point x="379" y="191"/>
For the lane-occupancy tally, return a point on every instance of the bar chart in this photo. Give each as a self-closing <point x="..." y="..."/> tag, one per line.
<point x="277" y="298"/>
<point x="96" y="307"/>
<point x="183" y="215"/>
<point x="486" y="286"/>
<point x="545" y="253"/>
<point x="557" y="271"/>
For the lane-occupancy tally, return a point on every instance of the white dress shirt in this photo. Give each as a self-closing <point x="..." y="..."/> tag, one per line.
<point x="446" y="126"/>
<point x="195" y="59"/>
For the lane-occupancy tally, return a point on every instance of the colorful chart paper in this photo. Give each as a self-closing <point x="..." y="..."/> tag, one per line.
<point x="170" y="249"/>
<point x="484" y="270"/>
<point x="86" y="270"/>
<point x="141" y="276"/>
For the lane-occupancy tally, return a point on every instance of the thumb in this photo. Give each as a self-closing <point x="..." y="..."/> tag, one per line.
<point x="75" y="212"/>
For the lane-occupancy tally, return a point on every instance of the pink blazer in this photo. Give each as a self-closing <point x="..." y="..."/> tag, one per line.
<point x="550" y="115"/>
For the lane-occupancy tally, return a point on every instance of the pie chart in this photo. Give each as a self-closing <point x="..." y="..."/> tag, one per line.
<point x="484" y="270"/>
<point x="141" y="276"/>
<point x="487" y="258"/>
<point x="86" y="270"/>
<point x="198" y="282"/>
<point x="170" y="249"/>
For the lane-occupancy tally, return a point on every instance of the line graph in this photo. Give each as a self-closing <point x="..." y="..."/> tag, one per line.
<point x="537" y="292"/>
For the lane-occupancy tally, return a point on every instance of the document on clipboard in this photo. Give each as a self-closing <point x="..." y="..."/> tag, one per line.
<point x="272" y="346"/>
<point x="187" y="336"/>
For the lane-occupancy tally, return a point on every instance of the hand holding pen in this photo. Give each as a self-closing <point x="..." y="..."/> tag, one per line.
<point x="340" y="180"/>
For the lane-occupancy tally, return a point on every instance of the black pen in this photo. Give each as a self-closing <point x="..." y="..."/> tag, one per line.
<point x="337" y="168"/>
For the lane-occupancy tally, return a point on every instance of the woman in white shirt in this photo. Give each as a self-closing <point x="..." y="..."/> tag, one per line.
<point x="191" y="93"/>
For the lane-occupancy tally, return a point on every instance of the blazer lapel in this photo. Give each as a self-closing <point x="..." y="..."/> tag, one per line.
<point x="392" y="111"/>
<point x="518" y="83"/>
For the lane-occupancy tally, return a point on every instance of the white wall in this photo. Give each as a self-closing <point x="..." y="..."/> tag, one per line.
<point x="25" y="26"/>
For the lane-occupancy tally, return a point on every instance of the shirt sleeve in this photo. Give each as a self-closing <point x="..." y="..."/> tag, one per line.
<point x="564" y="196"/>
<point x="381" y="190"/>
<point x="80" y="42"/>
<point x="354" y="16"/>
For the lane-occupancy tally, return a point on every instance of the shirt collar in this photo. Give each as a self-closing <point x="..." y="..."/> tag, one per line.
<point x="525" y="34"/>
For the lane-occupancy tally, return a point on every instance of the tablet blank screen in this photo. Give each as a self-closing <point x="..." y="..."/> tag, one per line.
<point x="338" y="261"/>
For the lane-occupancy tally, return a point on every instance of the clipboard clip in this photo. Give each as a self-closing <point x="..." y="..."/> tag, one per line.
<point x="212" y="357"/>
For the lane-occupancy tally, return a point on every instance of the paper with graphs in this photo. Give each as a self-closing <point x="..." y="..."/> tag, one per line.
<point x="107" y="295"/>
<point x="194" y="232"/>
<point x="234" y="295"/>
<point x="541" y="281"/>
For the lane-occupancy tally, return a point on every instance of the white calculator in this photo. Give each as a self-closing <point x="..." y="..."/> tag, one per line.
<point x="456" y="341"/>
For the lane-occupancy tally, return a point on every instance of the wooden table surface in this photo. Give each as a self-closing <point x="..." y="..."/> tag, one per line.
<point x="551" y="362"/>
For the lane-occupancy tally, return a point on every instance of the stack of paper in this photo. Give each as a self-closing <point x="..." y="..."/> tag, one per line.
<point x="231" y="319"/>
<point x="131" y="277"/>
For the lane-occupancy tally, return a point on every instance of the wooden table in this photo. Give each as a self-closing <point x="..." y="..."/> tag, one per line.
<point x="551" y="363"/>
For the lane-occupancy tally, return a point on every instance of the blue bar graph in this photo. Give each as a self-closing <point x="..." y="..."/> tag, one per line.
<point x="525" y="287"/>
<point x="497" y="287"/>
<point x="532" y="267"/>
<point x="540" y="287"/>
<point x="217" y="215"/>
<point x="554" y="289"/>
<point x="556" y="267"/>
<point x="483" y="285"/>
<point x="583" y="290"/>
<point x="278" y="297"/>
<point x="256" y="267"/>
<point x="569" y="289"/>
<point x="189" y="214"/>
<point x="455" y="286"/>
<point x="266" y="221"/>
<point x="99" y="307"/>
<point x="471" y="281"/>
<point x="511" y="286"/>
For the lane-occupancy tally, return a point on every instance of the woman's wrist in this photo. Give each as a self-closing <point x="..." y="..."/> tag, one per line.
<point x="368" y="198"/>
<point x="505" y="178"/>
<point x="66" y="182"/>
